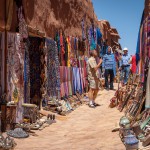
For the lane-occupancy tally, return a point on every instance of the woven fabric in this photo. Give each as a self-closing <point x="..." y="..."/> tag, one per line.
<point x="15" y="66"/>
<point x="147" y="104"/>
<point x="53" y="68"/>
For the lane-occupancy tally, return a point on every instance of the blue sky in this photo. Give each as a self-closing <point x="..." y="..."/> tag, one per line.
<point x="125" y="16"/>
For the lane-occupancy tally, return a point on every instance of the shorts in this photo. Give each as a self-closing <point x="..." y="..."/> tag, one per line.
<point x="94" y="84"/>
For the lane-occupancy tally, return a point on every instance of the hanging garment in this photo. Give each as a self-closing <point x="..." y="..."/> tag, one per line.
<point x="57" y="39"/>
<point x="26" y="73"/>
<point x="69" y="51"/>
<point x="62" y="52"/>
<point x="99" y="36"/>
<point x="103" y="50"/>
<point x="53" y="69"/>
<point x="69" y="80"/>
<point x="15" y="66"/>
<point x="133" y="64"/>
<point x="77" y="86"/>
<point x="148" y="38"/>
<point x="83" y="30"/>
<point x="23" y="29"/>
<point x="147" y="104"/>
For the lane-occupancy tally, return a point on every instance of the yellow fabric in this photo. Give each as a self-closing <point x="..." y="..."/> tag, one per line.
<point x="69" y="51"/>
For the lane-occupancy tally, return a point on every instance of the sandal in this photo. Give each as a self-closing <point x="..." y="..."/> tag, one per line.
<point x="91" y="106"/>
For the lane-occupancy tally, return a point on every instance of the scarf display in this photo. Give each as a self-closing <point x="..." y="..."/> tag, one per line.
<point x="143" y="56"/>
<point x="26" y="73"/>
<point x="143" y="44"/>
<point x="62" y="50"/>
<point x="53" y="70"/>
<point x="147" y="104"/>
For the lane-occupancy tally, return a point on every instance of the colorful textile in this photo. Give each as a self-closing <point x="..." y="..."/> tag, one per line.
<point x="133" y="64"/>
<point x="83" y="29"/>
<point x="69" y="51"/>
<point x="15" y="63"/>
<point x="143" y="44"/>
<point x="99" y="36"/>
<point x="26" y="73"/>
<point x="23" y="31"/>
<point x="62" y="52"/>
<point x="53" y="69"/>
<point x="103" y="50"/>
<point x="76" y="81"/>
<point x="147" y="103"/>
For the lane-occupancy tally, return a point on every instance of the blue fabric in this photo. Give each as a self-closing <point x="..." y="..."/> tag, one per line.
<point x="109" y="62"/>
<point x="125" y="60"/>
<point x="26" y="74"/>
<point x="138" y="49"/>
<point x="77" y="85"/>
<point x="103" y="50"/>
<point x="93" y="44"/>
<point x="99" y="36"/>
<point x="125" y="73"/>
<point x="83" y="33"/>
<point x="138" y="41"/>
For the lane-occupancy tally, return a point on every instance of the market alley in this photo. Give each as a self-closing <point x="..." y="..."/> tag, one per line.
<point x="70" y="132"/>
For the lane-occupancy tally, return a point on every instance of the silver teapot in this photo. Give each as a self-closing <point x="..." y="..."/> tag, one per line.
<point x="124" y="121"/>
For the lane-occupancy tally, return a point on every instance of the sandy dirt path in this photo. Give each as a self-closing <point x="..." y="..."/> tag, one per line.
<point x="83" y="129"/>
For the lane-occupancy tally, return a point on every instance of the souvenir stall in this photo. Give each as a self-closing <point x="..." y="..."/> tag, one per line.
<point x="134" y="98"/>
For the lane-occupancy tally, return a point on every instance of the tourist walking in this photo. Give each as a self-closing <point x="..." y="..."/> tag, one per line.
<point x="125" y="65"/>
<point x="93" y="77"/>
<point x="109" y="67"/>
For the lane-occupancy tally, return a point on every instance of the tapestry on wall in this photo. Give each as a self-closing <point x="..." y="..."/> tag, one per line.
<point x="53" y="70"/>
<point x="15" y="68"/>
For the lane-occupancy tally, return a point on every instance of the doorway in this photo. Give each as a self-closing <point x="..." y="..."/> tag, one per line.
<point x="36" y="67"/>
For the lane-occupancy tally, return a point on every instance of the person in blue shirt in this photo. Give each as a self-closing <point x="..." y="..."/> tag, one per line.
<point x="109" y="65"/>
<point x="125" y="65"/>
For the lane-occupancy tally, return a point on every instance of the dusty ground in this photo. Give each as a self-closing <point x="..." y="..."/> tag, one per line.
<point x="83" y="129"/>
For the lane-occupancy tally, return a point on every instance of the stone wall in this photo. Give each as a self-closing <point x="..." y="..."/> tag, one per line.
<point x="109" y="33"/>
<point x="48" y="16"/>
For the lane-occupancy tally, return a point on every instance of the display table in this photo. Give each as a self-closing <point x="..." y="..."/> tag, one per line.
<point x="30" y="111"/>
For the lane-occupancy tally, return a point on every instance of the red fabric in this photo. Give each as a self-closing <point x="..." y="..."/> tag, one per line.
<point x="133" y="67"/>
